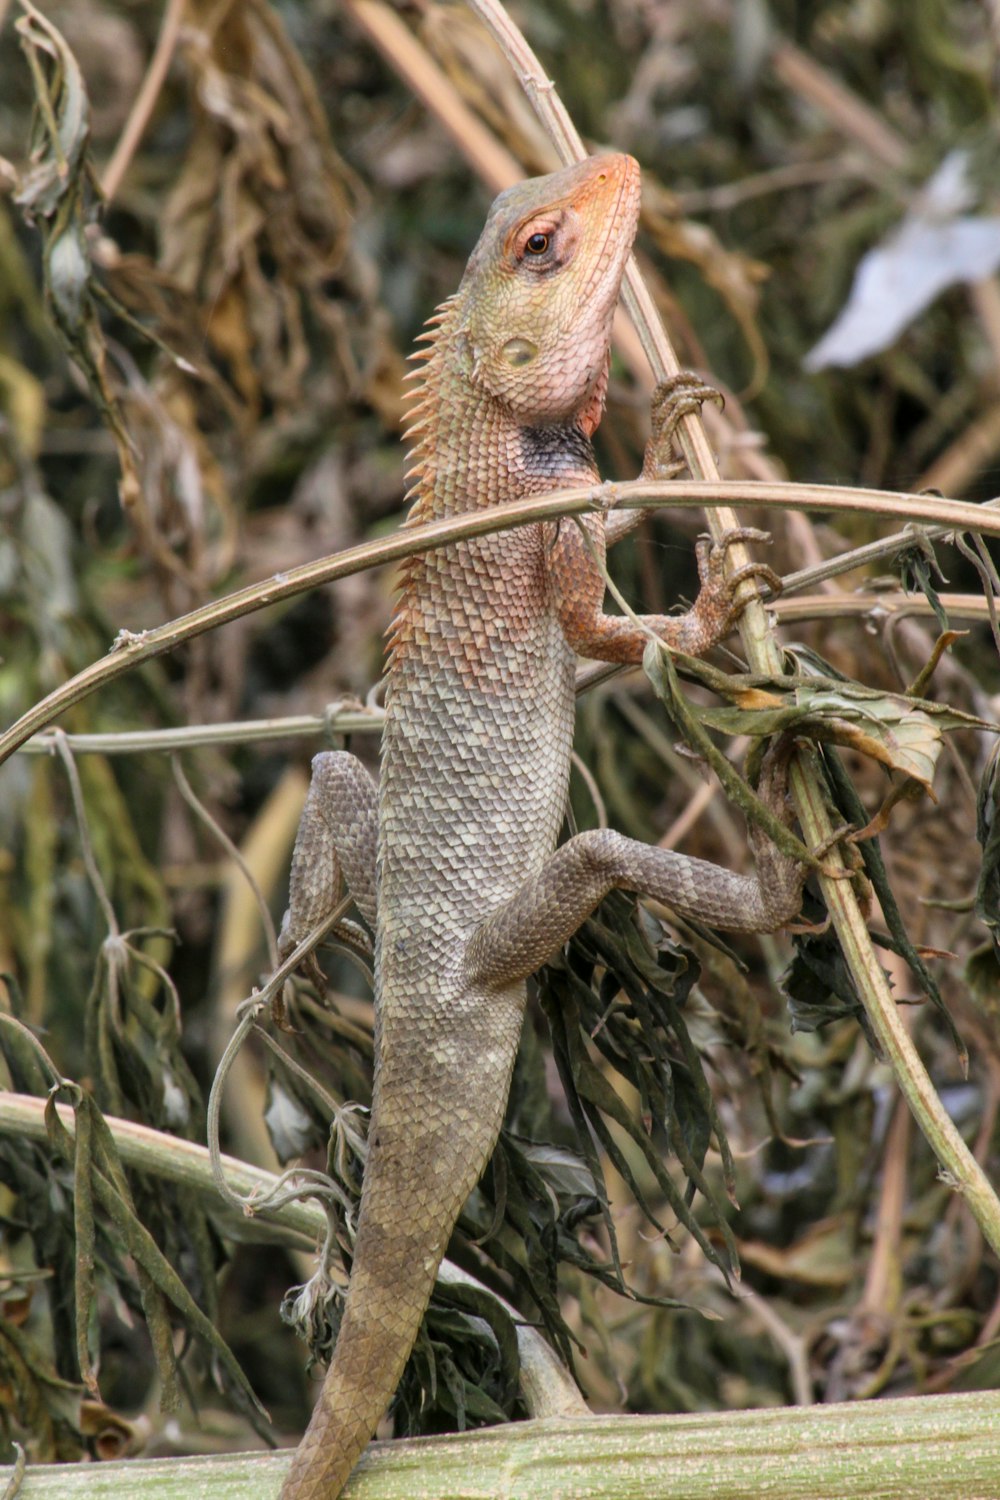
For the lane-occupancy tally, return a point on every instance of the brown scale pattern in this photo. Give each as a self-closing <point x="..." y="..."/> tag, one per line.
<point x="471" y="897"/>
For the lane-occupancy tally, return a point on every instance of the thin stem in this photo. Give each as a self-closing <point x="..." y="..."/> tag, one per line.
<point x="86" y="848"/>
<point x="355" y="720"/>
<point x="762" y="649"/>
<point x="202" y="813"/>
<point x="640" y="494"/>
<point x="145" y="101"/>
<point x="247" y="1020"/>
<point x="432" y="86"/>
<point x="881" y="550"/>
<point x="884" y="602"/>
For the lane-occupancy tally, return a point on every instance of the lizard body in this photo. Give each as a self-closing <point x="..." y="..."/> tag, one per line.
<point x="453" y="862"/>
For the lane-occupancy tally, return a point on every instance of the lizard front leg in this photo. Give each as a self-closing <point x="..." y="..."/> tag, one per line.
<point x="578" y="587"/>
<point x="544" y="914"/>
<point x="335" y="844"/>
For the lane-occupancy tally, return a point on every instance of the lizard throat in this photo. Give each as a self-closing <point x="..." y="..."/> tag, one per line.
<point x="554" y="458"/>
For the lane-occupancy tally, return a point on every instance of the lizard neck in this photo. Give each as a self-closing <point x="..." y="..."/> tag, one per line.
<point x="466" y="449"/>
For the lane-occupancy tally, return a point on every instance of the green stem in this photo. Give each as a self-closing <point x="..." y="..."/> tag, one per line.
<point x="944" y="1446"/>
<point x="547" y="1388"/>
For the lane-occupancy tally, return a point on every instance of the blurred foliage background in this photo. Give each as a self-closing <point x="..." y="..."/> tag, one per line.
<point x="208" y="288"/>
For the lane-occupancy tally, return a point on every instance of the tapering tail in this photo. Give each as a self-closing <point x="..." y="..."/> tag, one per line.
<point x="379" y="1327"/>
<point x="428" y="1147"/>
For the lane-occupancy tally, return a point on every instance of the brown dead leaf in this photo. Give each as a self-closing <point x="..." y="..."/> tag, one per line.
<point x="823" y="1257"/>
<point x="756" y="698"/>
<point x="258" y="224"/>
<point x="113" y="1435"/>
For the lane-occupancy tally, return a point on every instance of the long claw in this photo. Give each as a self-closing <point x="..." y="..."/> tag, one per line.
<point x="711" y="560"/>
<point x="760" y="571"/>
<point x="682" y="395"/>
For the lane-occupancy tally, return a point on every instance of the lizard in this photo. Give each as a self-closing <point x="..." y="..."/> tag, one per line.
<point x="453" y="860"/>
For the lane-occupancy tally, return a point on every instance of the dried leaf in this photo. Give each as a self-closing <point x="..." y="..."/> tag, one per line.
<point x="904" y="734"/>
<point x="825" y="1256"/>
<point x="58" y="192"/>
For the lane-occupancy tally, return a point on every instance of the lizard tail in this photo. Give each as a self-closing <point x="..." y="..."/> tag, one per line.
<point x="367" y="1364"/>
<point x="418" y="1175"/>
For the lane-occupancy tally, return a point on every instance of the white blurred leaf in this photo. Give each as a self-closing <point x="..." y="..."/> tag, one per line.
<point x="931" y="250"/>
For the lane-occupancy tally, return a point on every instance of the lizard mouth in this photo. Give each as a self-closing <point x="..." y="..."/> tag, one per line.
<point x="617" y="219"/>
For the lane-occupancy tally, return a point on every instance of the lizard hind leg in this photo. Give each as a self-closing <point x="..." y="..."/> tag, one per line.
<point x="335" y="845"/>
<point x="527" y="930"/>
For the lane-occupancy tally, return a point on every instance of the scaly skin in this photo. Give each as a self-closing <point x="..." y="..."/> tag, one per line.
<point x="470" y="897"/>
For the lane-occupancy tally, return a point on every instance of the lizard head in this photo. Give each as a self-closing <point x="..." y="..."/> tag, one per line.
<point x="539" y="294"/>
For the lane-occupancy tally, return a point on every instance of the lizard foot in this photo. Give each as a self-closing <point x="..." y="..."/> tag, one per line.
<point x="711" y="560"/>
<point x="717" y="607"/>
<point x="772" y="789"/>
<point x="781" y="877"/>
<point x="673" y="400"/>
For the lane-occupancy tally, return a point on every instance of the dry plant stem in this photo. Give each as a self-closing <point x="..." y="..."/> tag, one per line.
<point x="86" y="847"/>
<point x="883" y="550"/>
<point x="226" y="732"/>
<point x="883" y="1278"/>
<point x="145" y="101"/>
<point x="411" y="61"/>
<point x="682" y="825"/>
<point x="909" y="1449"/>
<point x="985" y="297"/>
<point x="825" y="93"/>
<point x="857" y="120"/>
<point x="640" y="494"/>
<point x="266" y="847"/>
<point x="758" y="184"/>
<point x="792" y="1345"/>
<point x="13" y="1486"/>
<point x="971" y="453"/>
<point x="219" y="834"/>
<point x="763" y="655"/>
<point x="886" y="603"/>
<point x="547" y="1387"/>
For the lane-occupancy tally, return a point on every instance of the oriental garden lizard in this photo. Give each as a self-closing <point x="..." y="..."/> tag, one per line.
<point x="452" y="860"/>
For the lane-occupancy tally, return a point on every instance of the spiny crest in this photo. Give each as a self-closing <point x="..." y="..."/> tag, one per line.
<point x="423" y="400"/>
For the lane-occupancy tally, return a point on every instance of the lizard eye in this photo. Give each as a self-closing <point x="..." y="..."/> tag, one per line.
<point x="542" y="244"/>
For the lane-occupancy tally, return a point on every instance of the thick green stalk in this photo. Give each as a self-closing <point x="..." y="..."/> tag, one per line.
<point x="947" y="1447"/>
